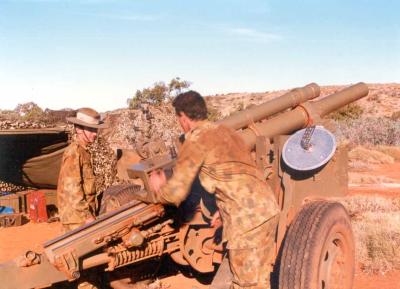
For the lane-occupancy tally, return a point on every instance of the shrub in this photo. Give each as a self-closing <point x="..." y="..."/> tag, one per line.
<point x="349" y="112"/>
<point x="395" y="115"/>
<point x="213" y="113"/>
<point x="240" y="106"/>
<point x="158" y="93"/>
<point x="370" y="131"/>
<point x="29" y="111"/>
<point x="10" y="115"/>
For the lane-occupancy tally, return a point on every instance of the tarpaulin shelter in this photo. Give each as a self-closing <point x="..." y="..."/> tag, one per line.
<point x="32" y="157"/>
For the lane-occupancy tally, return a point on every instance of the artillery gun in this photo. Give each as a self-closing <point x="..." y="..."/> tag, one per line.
<point x="314" y="241"/>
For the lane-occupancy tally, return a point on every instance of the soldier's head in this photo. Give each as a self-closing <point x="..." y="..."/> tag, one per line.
<point x="86" y="124"/>
<point x="189" y="107"/>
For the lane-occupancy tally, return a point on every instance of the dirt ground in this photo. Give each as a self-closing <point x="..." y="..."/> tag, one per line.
<point x="389" y="171"/>
<point x="16" y="240"/>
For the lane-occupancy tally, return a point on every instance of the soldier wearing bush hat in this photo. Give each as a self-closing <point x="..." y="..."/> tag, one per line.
<point x="76" y="190"/>
<point x="87" y="117"/>
<point x="76" y="193"/>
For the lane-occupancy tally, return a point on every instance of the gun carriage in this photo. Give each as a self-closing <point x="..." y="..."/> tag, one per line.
<point x="314" y="242"/>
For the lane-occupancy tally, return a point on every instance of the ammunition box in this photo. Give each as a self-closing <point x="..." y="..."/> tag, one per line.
<point x="12" y="201"/>
<point x="10" y="220"/>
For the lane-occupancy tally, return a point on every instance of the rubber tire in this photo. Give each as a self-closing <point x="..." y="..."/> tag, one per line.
<point x="318" y="251"/>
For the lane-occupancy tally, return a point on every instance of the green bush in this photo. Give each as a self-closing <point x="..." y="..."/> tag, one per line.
<point x="349" y="112"/>
<point x="158" y="93"/>
<point x="30" y="111"/>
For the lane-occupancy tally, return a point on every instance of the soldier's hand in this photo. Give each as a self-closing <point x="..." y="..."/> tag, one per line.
<point x="216" y="221"/>
<point x="157" y="180"/>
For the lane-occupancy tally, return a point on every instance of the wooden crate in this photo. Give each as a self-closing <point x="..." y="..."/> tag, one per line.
<point x="13" y="201"/>
<point x="10" y="220"/>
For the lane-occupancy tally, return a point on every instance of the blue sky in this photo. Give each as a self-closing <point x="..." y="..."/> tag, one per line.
<point x="61" y="53"/>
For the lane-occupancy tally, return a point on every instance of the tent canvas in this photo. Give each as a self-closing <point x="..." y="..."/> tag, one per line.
<point x="32" y="157"/>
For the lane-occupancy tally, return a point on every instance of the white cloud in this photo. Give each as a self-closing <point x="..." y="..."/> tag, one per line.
<point x="255" y="35"/>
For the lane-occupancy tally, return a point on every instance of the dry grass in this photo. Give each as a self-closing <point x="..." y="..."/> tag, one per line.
<point x="371" y="155"/>
<point x="376" y="226"/>
<point x="393" y="151"/>
<point x="369" y="131"/>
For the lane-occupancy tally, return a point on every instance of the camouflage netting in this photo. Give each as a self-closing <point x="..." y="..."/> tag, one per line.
<point x="8" y="124"/>
<point x="8" y="187"/>
<point x="104" y="164"/>
<point x="132" y="128"/>
<point x="31" y="116"/>
<point x="128" y="129"/>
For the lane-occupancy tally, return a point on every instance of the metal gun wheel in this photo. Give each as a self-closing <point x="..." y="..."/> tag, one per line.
<point x="116" y="196"/>
<point x="318" y="252"/>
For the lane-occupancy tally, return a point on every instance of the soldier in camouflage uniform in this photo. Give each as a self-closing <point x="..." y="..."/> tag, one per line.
<point x="76" y="183"/>
<point x="76" y="190"/>
<point x="246" y="204"/>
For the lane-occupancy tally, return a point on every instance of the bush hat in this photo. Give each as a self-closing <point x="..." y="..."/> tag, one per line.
<point x="87" y="117"/>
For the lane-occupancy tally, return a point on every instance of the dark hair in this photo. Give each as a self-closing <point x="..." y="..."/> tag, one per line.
<point x="192" y="104"/>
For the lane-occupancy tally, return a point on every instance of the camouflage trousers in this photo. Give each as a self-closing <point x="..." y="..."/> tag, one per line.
<point x="251" y="268"/>
<point x="86" y="282"/>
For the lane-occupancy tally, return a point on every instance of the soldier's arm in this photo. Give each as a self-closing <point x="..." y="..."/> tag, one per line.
<point x="177" y="188"/>
<point x="74" y="186"/>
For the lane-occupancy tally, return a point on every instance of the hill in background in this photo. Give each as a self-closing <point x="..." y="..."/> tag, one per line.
<point x="383" y="100"/>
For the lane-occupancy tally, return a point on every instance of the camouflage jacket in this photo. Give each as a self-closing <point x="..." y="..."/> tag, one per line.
<point x="75" y="188"/>
<point x="225" y="168"/>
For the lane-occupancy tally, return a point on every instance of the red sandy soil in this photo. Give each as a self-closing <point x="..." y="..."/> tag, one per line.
<point x="362" y="281"/>
<point x="391" y="171"/>
<point x="390" y="280"/>
<point x="16" y="240"/>
<point x="388" y="170"/>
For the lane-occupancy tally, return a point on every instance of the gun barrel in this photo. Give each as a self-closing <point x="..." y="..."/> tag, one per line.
<point x="299" y="117"/>
<point x="337" y="100"/>
<point x="290" y="99"/>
